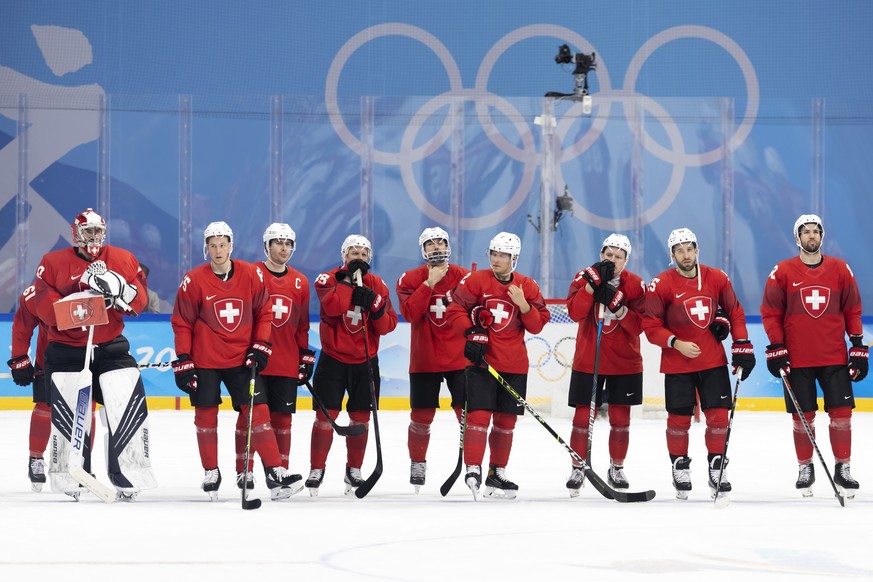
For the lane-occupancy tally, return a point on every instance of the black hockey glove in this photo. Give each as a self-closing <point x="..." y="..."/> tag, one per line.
<point x="481" y="316"/>
<point x="609" y="296"/>
<point x="599" y="273"/>
<point x="307" y="364"/>
<point x="258" y="355"/>
<point x="358" y="264"/>
<point x="22" y="370"/>
<point x="777" y="359"/>
<point x="369" y="300"/>
<point x="477" y="345"/>
<point x="742" y="356"/>
<point x="185" y="374"/>
<point x="720" y="326"/>
<point x="859" y="356"/>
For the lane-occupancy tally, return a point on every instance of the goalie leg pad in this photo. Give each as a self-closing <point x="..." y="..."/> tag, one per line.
<point x="128" y="462"/>
<point x="64" y="395"/>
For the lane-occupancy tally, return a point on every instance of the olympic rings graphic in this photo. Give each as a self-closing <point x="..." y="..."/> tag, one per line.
<point x="541" y="359"/>
<point x="527" y="154"/>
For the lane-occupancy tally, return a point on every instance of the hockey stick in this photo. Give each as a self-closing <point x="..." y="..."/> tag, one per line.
<point x="249" y="503"/>
<point x="362" y="491"/>
<point x="447" y="486"/>
<point x="343" y="431"/>
<point x="155" y="365"/>
<point x="808" y="429"/>
<point x="723" y="500"/>
<point x="594" y="478"/>
<point x="81" y="429"/>
<point x="593" y="406"/>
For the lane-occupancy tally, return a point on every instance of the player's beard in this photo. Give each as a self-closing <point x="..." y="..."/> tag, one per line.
<point x="812" y="246"/>
<point x="689" y="269"/>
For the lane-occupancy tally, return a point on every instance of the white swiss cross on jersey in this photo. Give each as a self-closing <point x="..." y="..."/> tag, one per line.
<point x="610" y="322"/>
<point x="436" y="310"/>
<point x="229" y="313"/>
<point x="699" y="310"/>
<point x="353" y="319"/>
<point x="502" y="311"/>
<point x="815" y="299"/>
<point x="280" y="307"/>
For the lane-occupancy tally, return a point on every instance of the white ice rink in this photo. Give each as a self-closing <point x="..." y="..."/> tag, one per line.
<point x="174" y="532"/>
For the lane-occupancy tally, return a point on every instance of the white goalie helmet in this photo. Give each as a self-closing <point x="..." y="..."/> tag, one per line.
<point x="359" y="241"/>
<point x="807" y="219"/>
<point x="618" y="241"/>
<point x="679" y="236"/>
<point x="89" y="232"/>
<point x="279" y="231"/>
<point x="219" y="228"/>
<point x="435" y="257"/>
<point x="506" y="242"/>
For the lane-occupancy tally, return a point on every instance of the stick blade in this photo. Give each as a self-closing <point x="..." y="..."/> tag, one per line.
<point x="450" y="482"/>
<point x="351" y="430"/>
<point x="251" y="503"/>
<point x="362" y="491"/>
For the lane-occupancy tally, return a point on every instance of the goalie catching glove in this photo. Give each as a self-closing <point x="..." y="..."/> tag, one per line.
<point x="859" y="356"/>
<point x="477" y="345"/>
<point x="185" y="374"/>
<point x="742" y="356"/>
<point x="599" y="273"/>
<point x="115" y="289"/>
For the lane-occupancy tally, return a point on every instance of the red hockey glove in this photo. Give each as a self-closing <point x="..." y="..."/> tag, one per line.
<point x="720" y="326"/>
<point x="777" y="359"/>
<point x="477" y="345"/>
<point x="307" y="365"/>
<point x="22" y="370"/>
<point x="743" y="356"/>
<point x="185" y="374"/>
<point x="481" y="316"/>
<point x="258" y="355"/>
<point x="858" y="359"/>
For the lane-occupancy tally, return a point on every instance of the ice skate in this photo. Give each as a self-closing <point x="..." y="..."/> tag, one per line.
<point x="473" y="479"/>
<point x="682" y="477"/>
<point x="36" y="473"/>
<point x="313" y="482"/>
<point x="576" y="481"/>
<point x="281" y="483"/>
<point x="719" y="491"/>
<point x="416" y="474"/>
<point x="353" y="480"/>
<point x="249" y="480"/>
<point x="497" y="486"/>
<point x="805" y="479"/>
<point x="211" y="483"/>
<point x="126" y="496"/>
<point x="615" y="477"/>
<point x="843" y="479"/>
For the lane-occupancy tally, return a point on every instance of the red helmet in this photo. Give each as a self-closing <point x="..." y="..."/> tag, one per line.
<point x="89" y="232"/>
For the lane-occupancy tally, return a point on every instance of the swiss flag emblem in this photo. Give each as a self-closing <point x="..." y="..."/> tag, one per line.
<point x="353" y="319"/>
<point x="815" y="299"/>
<point x="229" y="313"/>
<point x="436" y="310"/>
<point x="502" y="310"/>
<point x="610" y="324"/>
<point x="699" y="310"/>
<point x="280" y="305"/>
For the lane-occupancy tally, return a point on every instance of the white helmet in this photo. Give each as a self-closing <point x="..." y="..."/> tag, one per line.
<point x="807" y="219"/>
<point x="618" y="241"/>
<point x="356" y="240"/>
<point x="679" y="236"/>
<point x="506" y="242"/>
<point x="91" y="242"/>
<point x="216" y="229"/>
<point x="435" y="257"/>
<point x="280" y="231"/>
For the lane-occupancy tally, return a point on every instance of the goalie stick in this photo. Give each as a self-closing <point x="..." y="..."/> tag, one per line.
<point x="343" y="431"/>
<point x="724" y="500"/>
<point x="362" y="491"/>
<point x="602" y="487"/>
<point x="808" y="429"/>
<point x="249" y="503"/>
<point x="450" y="482"/>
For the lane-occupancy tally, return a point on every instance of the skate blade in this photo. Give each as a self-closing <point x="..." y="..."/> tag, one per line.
<point x="350" y="490"/>
<point x="313" y="491"/>
<point x="495" y="493"/>
<point x="846" y="493"/>
<point x="74" y="494"/>
<point x="127" y="497"/>
<point x="574" y="492"/>
<point x="806" y="491"/>
<point x="282" y="493"/>
<point x="36" y="487"/>
<point x="213" y="495"/>
<point x="682" y="494"/>
<point x="417" y="488"/>
<point x="471" y="483"/>
<point x="722" y="500"/>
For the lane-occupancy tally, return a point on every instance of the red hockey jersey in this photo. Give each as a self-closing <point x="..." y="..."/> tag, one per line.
<point x="23" y="323"/>
<point x="435" y="346"/>
<point x="811" y="309"/>
<point x="289" y="308"/>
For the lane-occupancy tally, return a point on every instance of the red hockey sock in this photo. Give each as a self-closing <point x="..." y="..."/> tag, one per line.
<point x="356" y="446"/>
<point x="475" y="436"/>
<point x="281" y="423"/>
<point x="40" y="428"/>
<point x="206" y="425"/>
<point x="500" y="439"/>
<point x="418" y="434"/>
<point x="263" y="438"/>
<point x="802" y="445"/>
<point x="677" y="434"/>
<point x="619" y="432"/>
<point x="841" y="433"/>
<point x="716" y="429"/>
<point x="322" y="438"/>
<point x="579" y="432"/>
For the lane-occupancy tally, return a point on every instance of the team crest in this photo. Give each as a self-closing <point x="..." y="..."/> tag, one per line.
<point x="436" y="309"/>
<point x="815" y="299"/>
<point x="229" y="313"/>
<point x="502" y="310"/>
<point x="610" y="324"/>
<point x="353" y="320"/>
<point x="81" y="312"/>
<point x="699" y="310"/>
<point x="281" y="309"/>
